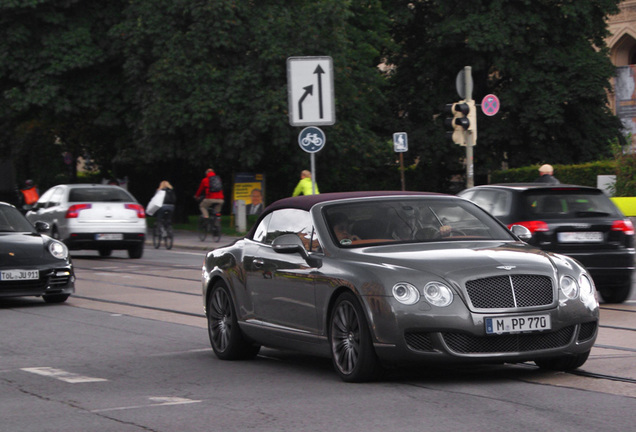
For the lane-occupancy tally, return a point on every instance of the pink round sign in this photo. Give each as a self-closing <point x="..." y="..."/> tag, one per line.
<point x="490" y="105"/>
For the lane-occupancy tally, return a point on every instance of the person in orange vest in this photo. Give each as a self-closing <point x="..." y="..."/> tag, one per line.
<point x="30" y="195"/>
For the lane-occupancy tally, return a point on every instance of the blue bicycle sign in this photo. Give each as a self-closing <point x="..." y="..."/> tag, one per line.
<point x="311" y="139"/>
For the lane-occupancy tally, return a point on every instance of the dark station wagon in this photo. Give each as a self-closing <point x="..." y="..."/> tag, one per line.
<point x="577" y="221"/>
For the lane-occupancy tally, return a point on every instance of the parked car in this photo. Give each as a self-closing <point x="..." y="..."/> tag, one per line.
<point x="93" y="216"/>
<point x="32" y="264"/>
<point x="378" y="279"/>
<point x="577" y="221"/>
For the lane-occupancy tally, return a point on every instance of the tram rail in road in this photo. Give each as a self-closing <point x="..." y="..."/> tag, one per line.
<point x="171" y="292"/>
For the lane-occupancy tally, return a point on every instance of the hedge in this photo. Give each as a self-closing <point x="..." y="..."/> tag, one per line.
<point x="583" y="174"/>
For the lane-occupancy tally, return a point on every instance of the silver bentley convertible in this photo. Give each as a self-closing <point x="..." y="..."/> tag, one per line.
<point x="378" y="279"/>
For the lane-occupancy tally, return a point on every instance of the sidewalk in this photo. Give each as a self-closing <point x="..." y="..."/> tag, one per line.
<point x="184" y="239"/>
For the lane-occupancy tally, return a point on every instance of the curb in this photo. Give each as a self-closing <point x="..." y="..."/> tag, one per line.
<point x="189" y="240"/>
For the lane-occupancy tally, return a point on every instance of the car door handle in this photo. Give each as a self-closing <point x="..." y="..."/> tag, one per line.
<point x="258" y="263"/>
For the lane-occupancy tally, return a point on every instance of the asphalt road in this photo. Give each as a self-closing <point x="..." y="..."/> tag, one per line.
<point x="129" y="352"/>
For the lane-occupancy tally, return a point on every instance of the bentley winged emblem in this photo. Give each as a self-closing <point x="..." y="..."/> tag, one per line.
<point x="506" y="267"/>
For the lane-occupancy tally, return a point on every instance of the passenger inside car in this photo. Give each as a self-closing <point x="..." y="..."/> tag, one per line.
<point x="340" y="226"/>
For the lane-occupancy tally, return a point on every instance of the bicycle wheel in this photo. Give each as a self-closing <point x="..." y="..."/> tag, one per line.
<point x="203" y="228"/>
<point x="169" y="237"/>
<point x="156" y="235"/>
<point x="216" y="229"/>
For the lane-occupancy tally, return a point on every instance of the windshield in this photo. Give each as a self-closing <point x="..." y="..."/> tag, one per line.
<point x="425" y="219"/>
<point x="99" y="194"/>
<point x="568" y="204"/>
<point x="11" y="220"/>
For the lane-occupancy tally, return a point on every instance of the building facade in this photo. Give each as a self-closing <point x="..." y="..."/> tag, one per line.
<point x="622" y="45"/>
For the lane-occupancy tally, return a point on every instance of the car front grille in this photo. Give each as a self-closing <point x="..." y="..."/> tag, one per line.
<point x="38" y="284"/>
<point x="59" y="279"/>
<point x="462" y="343"/>
<point x="52" y="279"/>
<point x="587" y="331"/>
<point x="510" y="292"/>
<point x="419" y="341"/>
<point x="468" y="344"/>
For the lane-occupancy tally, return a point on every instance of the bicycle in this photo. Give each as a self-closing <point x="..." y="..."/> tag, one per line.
<point x="210" y="225"/>
<point x="162" y="231"/>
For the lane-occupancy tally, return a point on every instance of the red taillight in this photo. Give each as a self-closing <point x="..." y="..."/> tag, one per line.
<point x="136" y="207"/>
<point x="624" y="225"/>
<point x="533" y="226"/>
<point x="73" y="211"/>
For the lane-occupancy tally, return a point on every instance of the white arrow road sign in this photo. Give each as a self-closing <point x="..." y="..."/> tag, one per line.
<point x="310" y="91"/>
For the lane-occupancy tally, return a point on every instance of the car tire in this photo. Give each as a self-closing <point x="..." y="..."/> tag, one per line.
<point x="156" y="237"/>
<point x="55" y="298"/>
<point x="352" y="350"/>
<point x="136" y="252"/>
<point x="616" y="294"/>
<point x="226" y="337"/>
<point x="564" y="363"/>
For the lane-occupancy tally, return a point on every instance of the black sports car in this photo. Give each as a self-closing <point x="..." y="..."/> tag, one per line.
<point x="376" y="279"/>
<point x="32" y="264"/>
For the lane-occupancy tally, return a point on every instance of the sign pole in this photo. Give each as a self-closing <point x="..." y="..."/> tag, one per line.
<point x="468" y="88"/>
<point x="400" y="145"/>
<point x="313" y="173"/>
<point x="402" y="171"/>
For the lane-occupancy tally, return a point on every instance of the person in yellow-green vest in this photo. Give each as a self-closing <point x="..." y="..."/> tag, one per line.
<point x="304" y="186"/>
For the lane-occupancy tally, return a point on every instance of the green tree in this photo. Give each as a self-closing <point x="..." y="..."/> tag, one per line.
<point x="546" y="60"/>
<point x="61" y="84"/>
<point x="211" y="87"/>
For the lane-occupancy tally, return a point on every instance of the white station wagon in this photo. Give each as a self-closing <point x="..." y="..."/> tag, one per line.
<point x="93" y="216"/>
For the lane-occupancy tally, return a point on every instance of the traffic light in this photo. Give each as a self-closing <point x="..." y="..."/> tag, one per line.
<point x="472" y="121"/>
<point x="459" y="123"/>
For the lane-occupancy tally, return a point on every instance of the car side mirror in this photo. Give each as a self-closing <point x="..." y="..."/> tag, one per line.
<point x="41" y="227"/>
<point x="291" y="243"/>
<point x="522" y="232"/>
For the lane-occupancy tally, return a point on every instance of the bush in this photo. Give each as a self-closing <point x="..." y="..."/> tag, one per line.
<point x="625" y="169"/>
<point x="582" y="174"/>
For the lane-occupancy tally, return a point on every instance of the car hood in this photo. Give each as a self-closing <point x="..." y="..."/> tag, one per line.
<point x="464" y="260"/>
<point x="22" y="248"/>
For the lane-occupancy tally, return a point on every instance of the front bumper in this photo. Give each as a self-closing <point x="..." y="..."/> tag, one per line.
<point x="59" y="280"/>
<point x="456" y="335"/>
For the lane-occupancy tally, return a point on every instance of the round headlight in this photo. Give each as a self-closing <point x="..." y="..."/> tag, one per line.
<point x="58" y="250"/>
<point x="569" y="287"/>
<point x="438" y="294"/>
<point x="587" y="288"/>
<point x="406" y="293"/>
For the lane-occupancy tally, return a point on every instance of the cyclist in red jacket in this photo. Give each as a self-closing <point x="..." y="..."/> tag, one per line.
<point x="210" y="196"/>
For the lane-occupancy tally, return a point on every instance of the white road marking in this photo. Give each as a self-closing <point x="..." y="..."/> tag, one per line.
<point x="155" y="402"/>
<point x="62" y="375"/>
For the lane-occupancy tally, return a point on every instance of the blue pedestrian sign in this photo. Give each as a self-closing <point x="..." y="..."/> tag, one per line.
<point x="400" y="142"/>
<point x="311" y="139"/>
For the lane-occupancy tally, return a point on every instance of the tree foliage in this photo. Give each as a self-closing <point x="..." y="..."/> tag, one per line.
<point x="546" y="60"/>
<point x="211" y="84"/>
<point x="165" y="88"/>
<point x="60" y="81"/>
